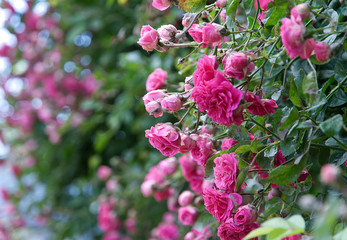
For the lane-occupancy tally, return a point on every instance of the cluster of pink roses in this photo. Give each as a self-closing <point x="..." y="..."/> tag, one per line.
<point x="207" y="33"/>
<point x="293" y="36"/>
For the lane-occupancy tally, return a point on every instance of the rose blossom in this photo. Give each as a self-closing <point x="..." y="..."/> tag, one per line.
<point x="197" y="235"/>
<point x="147" y="188"/>
<point x="301" y="11"/>
<point x="221" y="3"/>
<point x="187" y="143"/>
<point x="322" y="51"/>
<point x="292" y="34"/>
<point x="149" y="38"/>
<point x="237" y="65"/>
<point x="188" y="18"/>
<point x="196" y="33"/>
<point x="156" y="79"/>
<point x="230" y="231"/>
<point x="260" y="107"/>
<point x="161" y="4"/>
<point x="163" y="194"/>
<point x="203" y="149"/>
<point x="225" y="172"/>
<point x="185" y="198"/>
<point x="152" y="102"/>
<point x="223" y="15"/>
<point x="211" y="33"/>
<point x="220" y="204"/>
<point x="171" y="103"/>
<point x="329" y="173"/>
<point x="168" y="166"/>
<point x="263" y="5"/>
<point x="167" y="231"/>
<point x="188" y="215"/>
<point x="167" y="33"/>
<point x="228" y="143"/>
<point x="104" y="172"/>
<point x="245" y="214"/>
<point x="205" y="70"/>
<point x="165" y="138"/>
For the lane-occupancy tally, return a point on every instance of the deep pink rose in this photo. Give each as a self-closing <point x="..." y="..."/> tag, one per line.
<point x="228" y="143"/>
<point x="168" y="166"/>
<point x="156" y="79"/>
<point x="149" y="38"/>
<point x="197" y="235"/>
<point x="167" y="33"/>
<point x="237" y="65"/>
<point x="322" y="51"/>
<point x="263" y="5"/>
<point x="292" y="34"/>
<point x="196" y="33"/>
<point x="225" y="172"/>
<point x="196" y="184"/>
<point x="187" y="143"/>
<point x="301" y="11"/>
<point x="161" y="4"/>
<point x="171" y="103"/>
<point x="205" y="70"/>
<point x="220" y="204"/>
<point x="107" y="220"/>
<point x="203" y="149"/>
<point x="260" y="107"/>
<point x="245" y="214"/>
<point x="192" y="172"/>
<point x="211" y="33"/>
<point x="163" y="194"/>
<point x="230" y="231"/>
<point x="165" y="138"/>
<point x="112" y="235"/>
<point x="167" y="231"/>
<point x="188" y="215"/>
<point x="185" y="198"/>
<point x="104" y="172"/>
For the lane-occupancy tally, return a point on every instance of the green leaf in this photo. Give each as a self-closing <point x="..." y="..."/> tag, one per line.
<point x="258" y="232"/>
<point x="241" y="178"/>
<point x="341" y="235"/>
<point x="276" y="13"/>
<point x="310" y="88"/>
<point x="277" y="234"/>
<point x="231" y="8"/>
<point x="277" y="222"/>
<point x="243" y="149"/>
<point x="294" y="94"/>
<point x="254" y="146"/>
<point x="288" y="146"/>
<point x="287" y="174"/>
<point x="296" y="222"/>
<point x="273" y="205"/>
<point x="292" y="117"/>
<point x="192" y="5"/>
<point x="332" y="126"/>
<point x="271" y="152"/>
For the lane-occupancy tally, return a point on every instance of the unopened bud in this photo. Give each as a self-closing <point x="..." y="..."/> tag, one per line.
<point x="329" y="173"/>
<point x="171" y="103"/>
<point x="167" y="33"/>
<point x="185" y="198"/>
<point x="302" y="11"/>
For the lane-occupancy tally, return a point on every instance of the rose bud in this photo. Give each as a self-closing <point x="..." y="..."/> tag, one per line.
<point x="188" y="18"/>
<point x="301" y="11"/>
<point x="153" y="108"/>
<point x="185" y="198"/>
<point x="149" y="38"/>
<point x="221" y="3"/>
<point x="246" y="214"/>
<point x="187" y="143"/>
<point x="167" y="33"/>
<point x="171" y="103"/>
<point x="147" y="188"/>
<point x="104" y="172"/>
<point x="156" y="79"/>
<point x="161" y="4"/>
<point x="188" y="83"/>
<point x="322" y="51"/>
<point x="223" y="15"/>
<point x="188" y="215"/>
<point x="329" y="173"/>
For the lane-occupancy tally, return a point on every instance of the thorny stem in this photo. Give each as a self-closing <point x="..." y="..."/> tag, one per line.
<point x="286" y="69"/>
<point x="263" y="127"/>
<point x="197" y="122"/>
<point x="263" y="150"/>
<point x="184" y="58"/>
<point x="185" y="115"/>
<point x="254" y="21"/>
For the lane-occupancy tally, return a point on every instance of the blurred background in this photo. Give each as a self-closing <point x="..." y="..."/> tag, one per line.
<point x="72" y="79"/>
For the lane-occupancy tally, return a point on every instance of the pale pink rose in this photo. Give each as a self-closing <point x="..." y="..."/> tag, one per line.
<point x="104" y="172"/>
<point x="301" y="11"/>
<point x="223" y="15"/>
<point x="171" y="103"/>
<point x="188" y="18"/>
<point x="147" y="188"/>
<point x="111" y="235"/>
<point x="322" y="51"/>
<point x="188" y="215"/>
<point x="161" y="4"/>
<point x="165" y="138"/>
<point x="221" y="3"/>
<point x="203" y="149"/>
<point x="155" y="173"/>
<point x="237" y="65"/>
<point x="228" y="143"/>
<point x="154" y="108"/>
<point x="197" y="235"/>
<point x="169" y="217"/>
<point x="185" y="198"/>
<point x="111" y="185"/>
<point x="188" y="83"/>
<point x="225" y="172"/>
<point x="220" y="99"/>
<point x="167" y="231"/>
<point x="292" y="34"/>
<point x="107" y="220"/>
<point x="245" y="214"/>
<point x="274" y="193"/>
<point x="149" y="38"/>
<point x="230" y="231"/>
<point x="260" y="107"/>
<point x="205" y="70"/>
<point x="187" y="143"/>
<point x="220" y="204"/>
<point x="168" y="166"/>
<point x="163" y="194"/>
<point x="156" y="79"/>
<point x="152" y="102"/>
<point x="329" y="173"/>
<point x="130" y="225"/>
<point x="167" y="33"/>
<point x="263" y="5"/>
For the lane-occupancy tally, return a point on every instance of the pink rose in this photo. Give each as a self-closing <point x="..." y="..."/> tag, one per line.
<point x="104" y="172"/>
<point x="225" y="172"/>
<point x="260" y="107"/>
<point x="230" y="231"/>
<point x="171" y="103"/>
<point x="112" y="235"/>
<point x="223" y="15"/>
<point x="220" y="204"/>
<point x="187" y="143"/>
<point x="161" y="4"/>
<point x="111" y="185"/>
<point x="228" y="143"/>
<point x="205" y="70"/>
<point x="156" y="79"/>
<point x="188" y="215"/>
<point x="167" y="33"/>
<point x="172" y="203"/>
<point x="197" y="235"/>
<point x="163" y="194"/>
<point x="211" y="33"/>
<point x="154" y="108"/>
<point x="187" y="19"/>
<point x="149" y="38"/>
<point x="301" y="11"/>
<point x="221" y="3"/>
<point x="185" y="198"/>
<point x="245" y="214"/>
<point x="165" y="138"/>
<point x="196" y="184"/>
<point x="329" y="173"/>
<point x="203" y="149"/>
<point x="168" y="166"/>
<point x="237" y="65"/>
<point x="263" y="5"/>
<point x="152" y="102"/>
<point x="147" y="188"/>
<point x="196" y="33"/>
<point x="107" y="220"/>
<point x="322" y="51"/>
<point x="167" y="231"/>
<point x="292" y="34"/>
